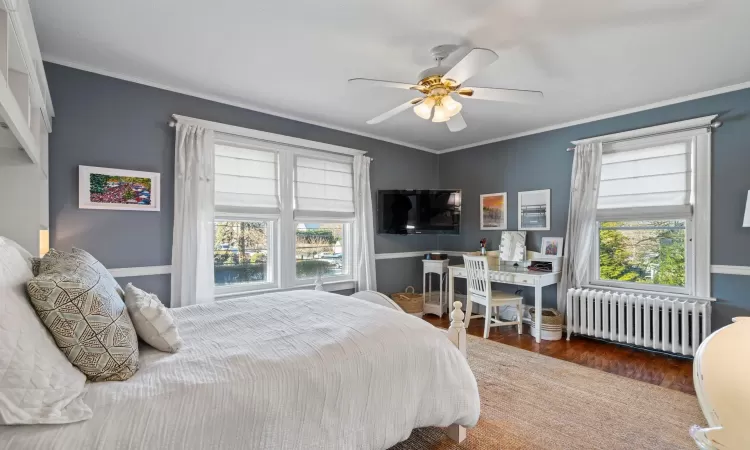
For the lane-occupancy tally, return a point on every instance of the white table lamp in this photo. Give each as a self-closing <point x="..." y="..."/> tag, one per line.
<point x="746" y="222"/>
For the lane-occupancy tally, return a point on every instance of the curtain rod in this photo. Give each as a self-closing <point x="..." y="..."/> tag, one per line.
<point x="272" y="138"/>
<point x="712" y="126"/>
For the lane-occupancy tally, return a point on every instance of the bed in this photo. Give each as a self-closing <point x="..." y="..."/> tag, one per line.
<point x="299" y="369"/>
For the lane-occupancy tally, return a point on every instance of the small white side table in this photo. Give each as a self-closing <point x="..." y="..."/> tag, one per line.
<point x="439" y="267"/>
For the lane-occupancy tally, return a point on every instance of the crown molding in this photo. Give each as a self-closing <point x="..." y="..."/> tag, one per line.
<point x="622" y="112"/>
<point x="225" y="101"/>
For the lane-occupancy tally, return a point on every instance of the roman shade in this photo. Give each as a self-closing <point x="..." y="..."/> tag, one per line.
<point x="246" y="180"/>
<point x="323" y="188"/>
<point x="655" y="181"/>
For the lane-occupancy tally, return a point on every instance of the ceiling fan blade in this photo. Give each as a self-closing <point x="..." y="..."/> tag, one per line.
<point x="396" y="110"/>
<point x="456" y="123"/>
<point x="472" y="64"/>
<point x="502" y="95"/>
<point x="382" y="83"/>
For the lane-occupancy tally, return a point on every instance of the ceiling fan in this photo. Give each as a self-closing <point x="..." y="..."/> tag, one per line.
<point x="439" y="83"/>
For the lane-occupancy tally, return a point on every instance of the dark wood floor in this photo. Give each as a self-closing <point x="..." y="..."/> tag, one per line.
<point x="655" y="368"/>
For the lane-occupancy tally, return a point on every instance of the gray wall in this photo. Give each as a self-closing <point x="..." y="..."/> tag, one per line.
<point x="540" y="162"/>
<point x="106" y="122"/>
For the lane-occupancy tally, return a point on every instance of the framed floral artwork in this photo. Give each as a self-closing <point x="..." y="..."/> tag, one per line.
<point x="102" y="188"/>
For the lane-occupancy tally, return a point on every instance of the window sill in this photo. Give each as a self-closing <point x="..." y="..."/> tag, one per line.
<point x="329" y="286"/>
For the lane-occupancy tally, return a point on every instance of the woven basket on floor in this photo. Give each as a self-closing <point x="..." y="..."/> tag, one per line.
<point x="410" y="301"/>
<point x="552" y="322"/>
<point x="550" y="316"/>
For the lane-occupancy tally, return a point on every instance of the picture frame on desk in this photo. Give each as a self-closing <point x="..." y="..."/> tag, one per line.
<point x="552" y="246"/>
<point x="493" y="211"/>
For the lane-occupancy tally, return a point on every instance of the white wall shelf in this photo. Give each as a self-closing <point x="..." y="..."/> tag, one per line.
<point x="25" y="122"/>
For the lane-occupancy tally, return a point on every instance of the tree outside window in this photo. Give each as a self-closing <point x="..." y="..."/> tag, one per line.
<point x="648" y="252"/>
<point x="240" y="252"/>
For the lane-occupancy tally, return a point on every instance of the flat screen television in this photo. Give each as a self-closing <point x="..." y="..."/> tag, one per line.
<point x="419" y="211"/>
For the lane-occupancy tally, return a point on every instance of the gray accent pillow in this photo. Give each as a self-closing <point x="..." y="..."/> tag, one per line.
<point x="86" y="317"/>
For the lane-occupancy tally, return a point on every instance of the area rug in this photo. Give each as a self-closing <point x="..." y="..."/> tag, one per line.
<point x="532" y="401"/>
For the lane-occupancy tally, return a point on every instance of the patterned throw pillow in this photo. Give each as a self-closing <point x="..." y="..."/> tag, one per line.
<point x="152" y="320"/>
<point x="86" y="316"/>
<point x="54" y="257"/>
<point x="36" y="262"/>
<point x="99" y="267"/>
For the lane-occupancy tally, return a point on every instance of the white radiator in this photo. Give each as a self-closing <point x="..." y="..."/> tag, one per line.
<point x="670" y="324"/>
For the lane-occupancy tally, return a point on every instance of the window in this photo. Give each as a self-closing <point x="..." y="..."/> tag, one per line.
<point x="652" y="213"/>
<point x="241" y="252"/>
<point x="320" y="251"/>
<point x="283" y="216"/>
<point x="644" y="251"/>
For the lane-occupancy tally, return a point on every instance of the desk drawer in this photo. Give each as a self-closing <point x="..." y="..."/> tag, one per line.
<point x="502" y="277"/>
<point x="511" y="278"/>
<point x="524" y="279"/>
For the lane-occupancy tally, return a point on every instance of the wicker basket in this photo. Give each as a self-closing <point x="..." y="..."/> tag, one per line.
<point x="409" y="301"/>
<point x="552" y="322"/>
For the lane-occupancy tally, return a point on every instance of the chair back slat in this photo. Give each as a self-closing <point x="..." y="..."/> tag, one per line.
<point x="477" y="275"/>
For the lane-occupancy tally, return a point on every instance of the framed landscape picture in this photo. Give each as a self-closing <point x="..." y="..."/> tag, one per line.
<point x="534" y="210"/>
<point x="102" y="188"/>
<point x="493" y="211"/>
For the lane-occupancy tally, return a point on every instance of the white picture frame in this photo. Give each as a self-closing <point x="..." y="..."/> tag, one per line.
<point x="552" y="246"/>
<point x="132" y="196"/>
<point x="493" y="211"/>
<point x="534" y="210"/>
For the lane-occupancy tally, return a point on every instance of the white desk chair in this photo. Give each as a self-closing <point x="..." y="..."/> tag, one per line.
<point x="479" y="290"/>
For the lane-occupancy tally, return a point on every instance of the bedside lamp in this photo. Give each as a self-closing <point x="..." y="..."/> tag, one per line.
<point x="43" y="242"/>
<point x="746" y="222"/>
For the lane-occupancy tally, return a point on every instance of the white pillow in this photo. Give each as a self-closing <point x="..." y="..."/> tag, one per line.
<point x="37" y="382"/>
<point x="24" y="253"/>
<point x="153" y="322"/>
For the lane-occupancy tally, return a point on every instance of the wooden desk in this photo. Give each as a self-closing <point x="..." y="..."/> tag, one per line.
<point x="507" y="274"/>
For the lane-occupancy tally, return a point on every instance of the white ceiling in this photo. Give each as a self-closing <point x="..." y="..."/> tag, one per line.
<point x="293" y="58"/>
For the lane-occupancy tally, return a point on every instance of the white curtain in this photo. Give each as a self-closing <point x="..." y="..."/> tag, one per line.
<point x="364" y="247"/>
<point x="193" y="236"/>
<point x="584" y="188"/>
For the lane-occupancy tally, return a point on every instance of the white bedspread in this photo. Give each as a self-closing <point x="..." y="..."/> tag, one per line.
<point x="302" y="370"/>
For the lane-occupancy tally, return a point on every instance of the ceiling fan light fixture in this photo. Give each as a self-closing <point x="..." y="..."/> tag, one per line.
<point x="441" y="114"/>
<point x="438" y="84"/>
<point x="424" y="109"/>
<point x="445" y="108"/>
<point x="451" y="105"/>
